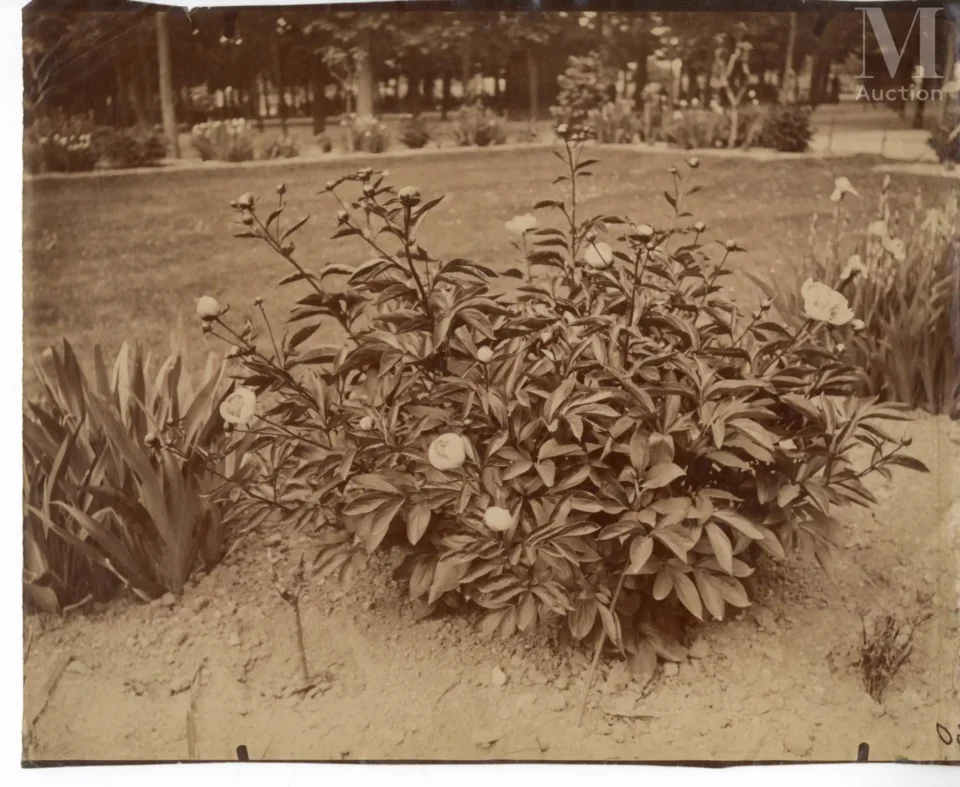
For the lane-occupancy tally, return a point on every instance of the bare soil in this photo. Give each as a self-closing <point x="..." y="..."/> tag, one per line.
<point x="221" y="666"/>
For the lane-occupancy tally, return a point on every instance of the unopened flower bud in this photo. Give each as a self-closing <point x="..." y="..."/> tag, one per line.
<point x="246" y="201"/>
<point x="484" y="355"/>
<point x="288" y="249"/>
<point x="343" y="217"/>
<point x="731" y="245"/>
<point x="644" y="231"/>
<point x="151" y="440"/>
<point x="366" y="423"/>
<point x="330" y="185"/>
<point x="700" y="226"/>
<point x="282" y="189"/>
<point x="258" y="301"/>
<point x="209" y="308"/>
<point x="369" y="191"/>
<point x="841" y="347"/>
<point x="906" y="441"/>
<point x="409" y="196"/>
<point x="248" y="220"/>
<point x="591" y="236"/>
<point x="858" y="325"/>
<point x="693" y="162"/>
<point x="766" y="304"/>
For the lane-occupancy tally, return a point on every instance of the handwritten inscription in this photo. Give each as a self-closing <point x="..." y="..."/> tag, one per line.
<point x="947" y="737"/>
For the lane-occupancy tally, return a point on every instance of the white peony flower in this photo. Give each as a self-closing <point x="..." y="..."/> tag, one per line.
<point x="598" y="255"/>
<point x="498" y="519"/>
<point x="240" y="407"/>
<point x="824" y="304"/>
<point x="447" y="452"/>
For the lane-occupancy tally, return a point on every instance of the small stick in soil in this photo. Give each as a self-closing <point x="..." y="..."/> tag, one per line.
<point x="192" y="713"/>
<point x="599" y="649"/>
<point x="292" y="597"/>
<point x="48" y="690"/>
<point x="447" y="690"/>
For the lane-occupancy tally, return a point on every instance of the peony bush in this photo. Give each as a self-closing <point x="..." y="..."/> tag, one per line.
<point x="595" y="437"/>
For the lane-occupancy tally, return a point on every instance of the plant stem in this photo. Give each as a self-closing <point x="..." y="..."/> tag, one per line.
<point x="413" y="270"/>
<point x="599" y="648"/>
<point x="793" y="340"/>
<point x="270" y="328"/>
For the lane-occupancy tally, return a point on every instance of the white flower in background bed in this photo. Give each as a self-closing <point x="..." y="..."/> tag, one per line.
<point x="896" y="248"/>
<point x="447" y="452"/>
<point x="841" y="187"/>
<point x="824" y="304"/>
<point x="853" y="267"/>
<point x="877" y="228"/>
<point x="240" y="407"/>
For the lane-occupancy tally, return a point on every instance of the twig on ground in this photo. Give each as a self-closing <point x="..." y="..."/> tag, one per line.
<point x="192" y="749"/>
<point x="48" y="690"/>
<point x="448" y="689"/>
<point x="599" y="649"/>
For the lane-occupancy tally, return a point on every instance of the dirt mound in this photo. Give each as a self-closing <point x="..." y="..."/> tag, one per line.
<point x="222" y="666"/>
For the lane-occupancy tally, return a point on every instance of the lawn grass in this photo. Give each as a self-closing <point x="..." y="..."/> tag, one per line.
<point x="106" y="260"/>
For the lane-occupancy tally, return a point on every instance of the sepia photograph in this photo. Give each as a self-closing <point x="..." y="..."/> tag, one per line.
<point x="444" y="382"/>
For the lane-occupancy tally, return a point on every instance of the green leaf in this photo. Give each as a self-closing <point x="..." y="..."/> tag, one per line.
<point x="728" y="459"/>
<point x="638" y="452"/>
<point x="687" y="593"/>
<point x="722" y="547"/>
<point x="739" y="522"/>
<point x="641" y="548"/>
<point x="909" y="462"/>
<point x="661" y="475"/>
<point x="710" y="592"/>
<point x="418" y="518"/>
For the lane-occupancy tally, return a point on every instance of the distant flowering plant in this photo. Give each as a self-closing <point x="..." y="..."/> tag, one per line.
<point x="898" y="271"/>
<point x="365" y="134"/>
<point x="598" y="437"/>
<point x="223" y="140"/>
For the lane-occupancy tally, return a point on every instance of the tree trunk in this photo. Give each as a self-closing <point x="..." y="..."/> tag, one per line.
<point x="166" y="85"/>
<point x="414" y="97"/>
<point x="533" y="84"/>
<point x="918" y="112"/>
<point x="466" y="66"/>
<point x="788" y="60"/>
<point x="445" y="96"/>
<point x="282" y="109"/>
<point x="319" y="78"/>
<point x="120" y="103"/>
<point x="146" y="83"/>
<point x="643" y="52"/>
<point x="734" y="123"/>
<point x="951" y="30"/>
<point x="365" y="74"/>
<point x="819" y="75"/>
